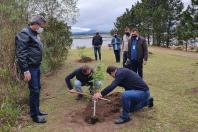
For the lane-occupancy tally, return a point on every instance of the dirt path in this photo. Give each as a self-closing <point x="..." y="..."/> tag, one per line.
<point x="62" y="107"/>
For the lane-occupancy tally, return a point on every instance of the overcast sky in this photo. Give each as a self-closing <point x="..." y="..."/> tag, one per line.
<point x="101" y="14"/>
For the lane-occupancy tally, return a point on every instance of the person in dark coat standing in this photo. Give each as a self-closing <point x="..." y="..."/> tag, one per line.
<point x="97" y="43"/>
<point x="29" y="57"/>
<point x="116" y="43"/>
<point x="137" y="52"/>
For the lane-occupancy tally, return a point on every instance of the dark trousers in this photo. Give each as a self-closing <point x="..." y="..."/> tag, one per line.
<point x="125" y="58"/>
<point x="133" y="100"/>
<point x="117" y="55"/>
<point x="97" y="51"/>
<point x="137" y="66"/>
<point x="34" y="87"/>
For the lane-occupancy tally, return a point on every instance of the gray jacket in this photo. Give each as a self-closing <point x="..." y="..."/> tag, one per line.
<point x="28" y="49"/>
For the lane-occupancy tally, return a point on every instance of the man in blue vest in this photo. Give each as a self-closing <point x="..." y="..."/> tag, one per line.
<point x="137" y="52"/>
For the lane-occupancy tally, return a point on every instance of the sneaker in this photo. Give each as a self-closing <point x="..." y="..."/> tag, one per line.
<point x="121" y="120"/>
<point x="39" y="119"/>
<point x="150" y="102"/>
<point x="43" y="113"/>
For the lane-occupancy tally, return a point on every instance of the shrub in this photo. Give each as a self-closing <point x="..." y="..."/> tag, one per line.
<point x="81" y="51"/>
<point x="98" y="75"/>
<point x="57" y="41"/>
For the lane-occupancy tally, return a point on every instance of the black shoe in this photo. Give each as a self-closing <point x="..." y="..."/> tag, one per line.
<point x="43" y="113"/>
<point x="121" y="120"/>
<point x="39" y="119"/>
<point x="79" y="97"/>
<point x="150" y="103"/>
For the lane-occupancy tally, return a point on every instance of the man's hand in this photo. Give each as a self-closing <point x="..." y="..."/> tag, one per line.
<point x="27" y="76"/>
<point x="97" y="96"/>
<point x="72" y="90"/>
<point x="145" y="62"/>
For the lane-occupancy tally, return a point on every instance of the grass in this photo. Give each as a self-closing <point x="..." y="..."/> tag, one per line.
<point x="171" y="78"/>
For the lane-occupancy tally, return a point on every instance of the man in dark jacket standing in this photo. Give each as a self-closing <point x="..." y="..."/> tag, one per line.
<point x="97" y="43"/>
<point x="84" y="77"/>
<point x="29" y="57"/>
<point x="137" y="52"/>
<point x="136" y="95"/>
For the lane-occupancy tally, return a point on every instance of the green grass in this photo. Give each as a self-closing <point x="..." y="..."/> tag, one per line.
<point x="170" y="77"/>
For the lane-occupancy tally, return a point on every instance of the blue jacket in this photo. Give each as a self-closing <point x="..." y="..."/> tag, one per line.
<point x="127" y="79"/>
<point x="116" y="42"/>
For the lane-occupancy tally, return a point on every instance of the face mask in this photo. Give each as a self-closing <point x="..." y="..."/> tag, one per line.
<point x="134" y="37"/>
<point x="127" y="33"/>
<point x="115" y="36"/>
<point x="40" y="30"/>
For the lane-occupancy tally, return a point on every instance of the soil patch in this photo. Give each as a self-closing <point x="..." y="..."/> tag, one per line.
<point x="150" y="53"/>
<point x="85" y="59"/>
<point x="104" y="109"/>
<point x="195" y="90"/>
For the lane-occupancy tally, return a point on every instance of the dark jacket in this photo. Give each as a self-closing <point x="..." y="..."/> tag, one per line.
<point x="79" y="76"/>
<point x="142" y="49"/>
<point x="127" y="79"/>
<point x="97" y="40"/>
<point x="28" y="49"/>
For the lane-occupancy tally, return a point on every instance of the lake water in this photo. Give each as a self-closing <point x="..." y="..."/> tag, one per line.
<point x="86" y="40"/>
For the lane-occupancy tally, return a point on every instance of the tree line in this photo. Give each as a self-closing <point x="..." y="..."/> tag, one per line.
<point x="162" y="22"/>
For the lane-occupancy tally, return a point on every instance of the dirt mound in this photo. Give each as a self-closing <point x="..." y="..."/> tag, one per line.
<point x="85" y="59"/>
<point x="104" y="109"/>
<point x="195" y="90"/>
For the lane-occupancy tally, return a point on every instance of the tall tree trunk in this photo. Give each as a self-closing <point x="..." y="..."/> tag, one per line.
<point x="168" y="35"/>
<point x="148" y="38"/>
<point x="186" y="45"/>
<point x="153" y="38"/>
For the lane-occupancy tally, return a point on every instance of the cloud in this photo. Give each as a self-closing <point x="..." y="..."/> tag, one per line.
<point x="80" y="29"/>
<point x="100" y="15"/>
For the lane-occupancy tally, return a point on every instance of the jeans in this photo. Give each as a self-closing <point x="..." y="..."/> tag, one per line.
<point x="117" y="55"/>
<point x="125" y="58"/>
<point x="97" y="50"/>
<point x="133" y="100"/>
<point x="137" y="66"/>
<point x="34" y="88"/>
<point x="78" y="86"/>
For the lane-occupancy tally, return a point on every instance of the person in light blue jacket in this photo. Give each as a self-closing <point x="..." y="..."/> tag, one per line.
<point x="116" y="43"/>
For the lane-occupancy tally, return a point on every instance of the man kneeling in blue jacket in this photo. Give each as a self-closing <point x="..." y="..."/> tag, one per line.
<point x="136" y="95"/>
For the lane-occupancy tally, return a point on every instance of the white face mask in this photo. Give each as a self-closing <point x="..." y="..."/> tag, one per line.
<point x="40" y="30"/>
